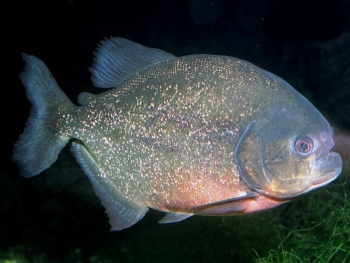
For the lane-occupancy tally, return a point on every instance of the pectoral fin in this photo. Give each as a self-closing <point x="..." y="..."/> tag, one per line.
<point x="226" y="207"/>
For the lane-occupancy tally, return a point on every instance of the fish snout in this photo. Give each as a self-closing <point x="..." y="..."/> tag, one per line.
<point x="327" y="169"/>
<point x="326" y="144"/>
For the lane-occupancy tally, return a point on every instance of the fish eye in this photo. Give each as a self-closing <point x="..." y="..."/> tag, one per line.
<point x="303" y="145"/>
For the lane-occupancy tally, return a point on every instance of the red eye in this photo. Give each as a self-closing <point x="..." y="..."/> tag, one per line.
<point x="303" y="145"/>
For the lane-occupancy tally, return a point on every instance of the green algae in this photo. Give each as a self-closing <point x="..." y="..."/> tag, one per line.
<point x="327" y="240"/>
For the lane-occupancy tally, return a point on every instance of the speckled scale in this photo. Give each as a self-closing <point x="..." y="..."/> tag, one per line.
<point x="199" y="134"/>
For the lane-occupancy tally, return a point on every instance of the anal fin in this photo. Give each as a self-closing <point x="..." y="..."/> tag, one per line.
<point x="172" y="217"/>
<point x="122" y="213"/>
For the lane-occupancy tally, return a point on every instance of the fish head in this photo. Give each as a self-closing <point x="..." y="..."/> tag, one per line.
<point x="286" y="151"/>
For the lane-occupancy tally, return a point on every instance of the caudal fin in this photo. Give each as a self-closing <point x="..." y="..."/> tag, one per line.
<point x="39" y="145"/>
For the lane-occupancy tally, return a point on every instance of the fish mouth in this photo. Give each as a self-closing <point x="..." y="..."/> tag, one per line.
<point x="323" y="172"/>
<point x="326" y="170"/>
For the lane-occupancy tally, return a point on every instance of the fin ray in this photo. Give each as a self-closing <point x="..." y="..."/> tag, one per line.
<point x="172" y="217"/>
<point x="117" y="59"/>
<point x="225" y="207"/>
<point x="122" y="213"/>
<point x="39" y="145"/>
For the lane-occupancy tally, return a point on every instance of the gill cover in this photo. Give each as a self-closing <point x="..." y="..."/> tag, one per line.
<point x="246" y="155"/>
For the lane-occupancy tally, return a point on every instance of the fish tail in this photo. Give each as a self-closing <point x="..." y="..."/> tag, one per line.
<point x="39" y="145"/>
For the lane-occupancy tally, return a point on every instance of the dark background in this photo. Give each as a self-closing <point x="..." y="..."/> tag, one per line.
<point x="55" y="217"/>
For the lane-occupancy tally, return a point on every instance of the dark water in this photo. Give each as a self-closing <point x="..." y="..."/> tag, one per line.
<point x="55" y="217"/>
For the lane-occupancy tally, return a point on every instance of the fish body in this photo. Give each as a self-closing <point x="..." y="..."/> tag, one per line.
<point x="199" y="134"/>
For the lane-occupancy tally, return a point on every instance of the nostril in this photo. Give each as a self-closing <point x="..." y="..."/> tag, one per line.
<point x="323" y="137"/>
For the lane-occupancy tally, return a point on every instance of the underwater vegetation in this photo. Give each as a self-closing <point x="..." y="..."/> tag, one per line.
<point x="327" y="239"/>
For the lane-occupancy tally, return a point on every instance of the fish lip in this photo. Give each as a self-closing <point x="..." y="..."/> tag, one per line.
<point x="321" y="155"/>
<point x="326" y="155"/>
<point x="331" y="165"/>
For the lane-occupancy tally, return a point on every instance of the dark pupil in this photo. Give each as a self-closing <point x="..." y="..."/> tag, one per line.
<point x="304" y="146"/>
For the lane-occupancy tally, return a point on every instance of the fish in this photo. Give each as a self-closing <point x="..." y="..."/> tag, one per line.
<point x="200" y="134"/>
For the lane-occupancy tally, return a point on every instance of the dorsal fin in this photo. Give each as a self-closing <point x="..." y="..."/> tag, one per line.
<point x="116" y="59"/>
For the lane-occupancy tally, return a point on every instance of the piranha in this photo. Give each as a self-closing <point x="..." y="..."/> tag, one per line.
<point x="193" y="135"/>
